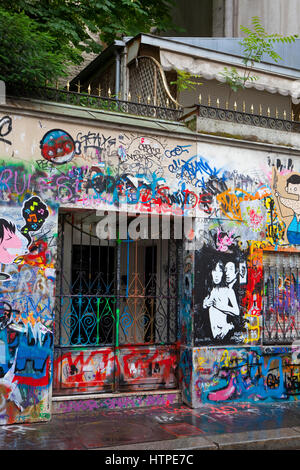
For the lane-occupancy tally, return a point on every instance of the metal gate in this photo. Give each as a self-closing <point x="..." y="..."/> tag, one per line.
<point x="281" y="315"/>
<point x="116" y="310"/>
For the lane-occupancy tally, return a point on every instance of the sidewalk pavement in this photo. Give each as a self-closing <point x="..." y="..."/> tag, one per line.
<point x="235" y="426"/>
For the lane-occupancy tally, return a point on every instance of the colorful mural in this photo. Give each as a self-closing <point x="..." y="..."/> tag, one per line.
<point x="26" y="303"/>
<point x="244" y="207"/>
<point x="134" y="367"/>
<point x="256" y="374"/>
<point x="46" y="167"/>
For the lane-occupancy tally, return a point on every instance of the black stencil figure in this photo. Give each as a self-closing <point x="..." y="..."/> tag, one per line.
<point x="220" y="279"/>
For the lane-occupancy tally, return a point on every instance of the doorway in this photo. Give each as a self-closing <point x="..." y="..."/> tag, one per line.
<point x="116" y="310"/>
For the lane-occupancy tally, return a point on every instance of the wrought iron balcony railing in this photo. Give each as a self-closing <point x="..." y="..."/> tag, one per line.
<point x="240" y="117"/>
<point x="98" y="102"/>
<point x="170" y="113"/>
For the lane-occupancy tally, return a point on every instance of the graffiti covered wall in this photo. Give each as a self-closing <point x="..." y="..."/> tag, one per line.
<point x="46" y="164"/>
<point x="253" y="214"/>
<point x="246" y="287"/>
<point x="256" y="374"/>
<point x="244" y="204"/>
<point x="28" y="231"/>
<point x="27" y="256"/>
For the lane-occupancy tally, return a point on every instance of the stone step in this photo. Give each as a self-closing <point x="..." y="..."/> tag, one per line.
<point x="114" y="401"/>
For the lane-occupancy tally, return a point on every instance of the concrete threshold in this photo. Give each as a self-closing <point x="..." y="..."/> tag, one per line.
<point x="94" y="396"/>
<point x="116" y="401"/>
<point x="272" y="439"/>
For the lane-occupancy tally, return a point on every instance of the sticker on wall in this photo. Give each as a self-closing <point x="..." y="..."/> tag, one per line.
<point x="57" y="146"/>
<point x="254" y="216"/>
<point x="35" y="213"/>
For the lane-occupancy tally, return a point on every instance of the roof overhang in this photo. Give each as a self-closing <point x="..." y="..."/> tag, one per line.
<point x="212" y="70"/>
<point x="175" y="54"/>
<point x="204" y="61"/>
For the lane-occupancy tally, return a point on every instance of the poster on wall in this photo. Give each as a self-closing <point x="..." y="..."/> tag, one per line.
<point x="220" y="279"/>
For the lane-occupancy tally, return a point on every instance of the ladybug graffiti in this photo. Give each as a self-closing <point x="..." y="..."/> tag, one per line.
<point x="57" y="146"/>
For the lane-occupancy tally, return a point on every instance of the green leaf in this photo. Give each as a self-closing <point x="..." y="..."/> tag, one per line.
<point x="255" y="45"/>
<point x="60" y="30"/>
<point x="184" y="81"/>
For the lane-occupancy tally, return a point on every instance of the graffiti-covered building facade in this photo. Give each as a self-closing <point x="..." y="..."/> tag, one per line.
<point x="139" y="263"/>
<point x="90" y="266"/>
<point x="246" y="298"/>
<point x="144" y="261"/>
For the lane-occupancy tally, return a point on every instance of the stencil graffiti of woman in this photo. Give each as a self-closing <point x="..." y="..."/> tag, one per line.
<point x="221" y="302"/>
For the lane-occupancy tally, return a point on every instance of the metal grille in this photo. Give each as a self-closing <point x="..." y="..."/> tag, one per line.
<point x="281" y="298"/>
<point x="147" y="83"/>
<point x="141" y="107"/>
<point x="119" y="292"/>
<point x="241" y="117"/>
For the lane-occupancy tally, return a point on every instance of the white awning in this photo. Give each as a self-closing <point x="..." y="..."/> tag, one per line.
<point x="211" y="70"/>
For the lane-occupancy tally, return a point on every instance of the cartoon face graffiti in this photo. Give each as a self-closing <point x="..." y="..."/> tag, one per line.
<point x="290" y="206"/>
<point x="12" y="242"/>
<point x="57" y="146"/>
<point x="293" y="185"/>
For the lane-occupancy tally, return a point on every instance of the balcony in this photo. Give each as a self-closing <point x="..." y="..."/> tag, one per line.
<point x="241" y="125"/>
<point x="148" y="95"/>
<point x="242" y="117"/>
<point x="168" y="112"/>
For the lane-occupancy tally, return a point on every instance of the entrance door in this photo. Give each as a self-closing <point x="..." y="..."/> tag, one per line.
<point x="92" y="278"/>
<point x="116" y="311"/>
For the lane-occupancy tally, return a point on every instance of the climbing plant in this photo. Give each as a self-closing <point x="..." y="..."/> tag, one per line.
<point x="256" y="45"/>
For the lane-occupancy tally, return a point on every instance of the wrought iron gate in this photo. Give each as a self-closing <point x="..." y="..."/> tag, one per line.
<point x="113" y="294"/>
<point x="281" y="314"/>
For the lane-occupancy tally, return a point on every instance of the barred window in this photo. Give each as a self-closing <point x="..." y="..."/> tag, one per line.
<point x="281" y="318"/>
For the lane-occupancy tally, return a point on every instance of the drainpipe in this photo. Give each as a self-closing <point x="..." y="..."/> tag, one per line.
<point x="124" y="75"/>
<point x="118" y="64"/>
